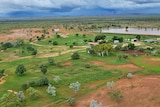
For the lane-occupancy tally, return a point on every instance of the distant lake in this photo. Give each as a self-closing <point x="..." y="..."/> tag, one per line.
<point x="148" y="31"/>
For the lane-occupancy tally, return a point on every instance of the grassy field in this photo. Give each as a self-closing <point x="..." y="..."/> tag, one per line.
<point x="101" y="70"/>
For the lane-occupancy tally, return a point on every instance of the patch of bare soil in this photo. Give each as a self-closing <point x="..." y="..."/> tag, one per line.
<point x="66" y="64"/>
<point x="137" y="43"/>
<point x="16" y="34"/>
<point x="152" y="61"/>
<point x="135" y="52"/>
<point x="137" y="92"/>
<point x="2" y="81"/>
<point x="125" y="67"/>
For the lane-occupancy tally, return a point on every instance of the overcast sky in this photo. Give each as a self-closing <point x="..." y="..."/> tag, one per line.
<point x="30" y="8"/>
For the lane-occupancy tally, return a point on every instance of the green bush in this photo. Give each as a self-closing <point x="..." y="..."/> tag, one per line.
<point x="42" y="81"/>
<point x="71" y="46"/>
<point x="2" y="73"/>
<point x="87" y="65"/>
<point x="75" y="56"/>
<point x="51" y="61"/>
<point x="20" y="70"/>
<point x="55" y="43"/>
<point x="33" y="93"/>
<point x="116" y="95"/>
<point x="71" y="101"/>
<point x="24" y="86"/>
<point x="32" y="84"/>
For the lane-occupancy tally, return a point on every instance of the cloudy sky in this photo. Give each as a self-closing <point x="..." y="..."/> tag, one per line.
<point x="31" y="8"/>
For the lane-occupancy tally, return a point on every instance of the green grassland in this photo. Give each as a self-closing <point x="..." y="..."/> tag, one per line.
<point x="69" y="70"/>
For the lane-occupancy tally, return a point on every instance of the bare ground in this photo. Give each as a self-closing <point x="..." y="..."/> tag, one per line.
<point x="137" y="92"/>
<point x="125" y="67"/>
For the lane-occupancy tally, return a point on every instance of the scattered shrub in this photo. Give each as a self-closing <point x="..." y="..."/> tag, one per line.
<point x="131" y="46"/>
<point x="75" y="86"/>
<point x="75" y="56"/>
<point x="87" y="65"/>
<point x="71" y="46"/>
<point x="51" y="61"/>
<point x="55" y="43"/>
<point x="116" y="95"/>
<point x="93" y="103"/>
<point x="51" y="90"/>
<point x="20" y="70"/>
<point x="44" y="70"/>
<point x="24" y="86"/>
<point x="2" y="73"/>
<point x="71" y="101"/>
<point x="20" y="95"/>
<point x="58" y="36"/>
<point x="110" y="85"/>
<point x="43" y="81"/>
<point x="33" y="93"/>
<point x="129" y="75"/>
<point x="32" y="84"/>
<point x="57" y="78"/>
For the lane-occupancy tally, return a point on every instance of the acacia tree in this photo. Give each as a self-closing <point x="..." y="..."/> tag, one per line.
<point x="103" y="49"/>
<point x="20" y="70"/>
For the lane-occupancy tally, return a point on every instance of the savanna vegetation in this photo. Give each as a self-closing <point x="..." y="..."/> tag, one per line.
<point x="53" y="70"/>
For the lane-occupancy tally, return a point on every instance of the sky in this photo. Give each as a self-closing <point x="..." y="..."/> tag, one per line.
<point x="37" y="8"/>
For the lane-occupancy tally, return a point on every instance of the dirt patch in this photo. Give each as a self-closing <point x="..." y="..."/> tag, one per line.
<point x="125" y="67"/>
<point x="67" y="64"/>
<point x="16" y="34"/>
<point x="2" y="81"/>
<point x="137" y="92"/>
<point x="135" y="52"/>
<point x="152" y="61"/>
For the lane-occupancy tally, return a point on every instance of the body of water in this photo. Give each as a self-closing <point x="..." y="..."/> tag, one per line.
<point x="148" y="31"/>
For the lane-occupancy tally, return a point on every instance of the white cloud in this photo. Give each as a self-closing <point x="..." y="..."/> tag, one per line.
<point x="7" y="6"/>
